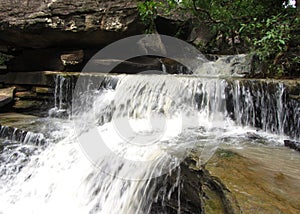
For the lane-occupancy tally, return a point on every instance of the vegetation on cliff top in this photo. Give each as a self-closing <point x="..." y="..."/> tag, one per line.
<point x="270" y="29"/>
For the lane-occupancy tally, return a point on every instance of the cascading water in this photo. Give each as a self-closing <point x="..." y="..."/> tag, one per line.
<point x="62" y="96"/>
<point x="148" y="123"/>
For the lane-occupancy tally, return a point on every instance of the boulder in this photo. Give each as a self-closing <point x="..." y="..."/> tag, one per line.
<point x="6" y="97"/>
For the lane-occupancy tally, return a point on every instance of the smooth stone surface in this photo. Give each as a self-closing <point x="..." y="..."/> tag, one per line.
<point x="262" y="179"/>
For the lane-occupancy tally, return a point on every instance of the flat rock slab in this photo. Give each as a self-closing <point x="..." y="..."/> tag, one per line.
<point x="28" y="78"/>
<point x="27" y="104"/>
<point x="12" y="116"/>
<point x="262" y="179"/>
<point x="6" y="96"/>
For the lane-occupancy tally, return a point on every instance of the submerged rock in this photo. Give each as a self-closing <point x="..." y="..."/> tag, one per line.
<point x="292" y="144"/>
<point x="190" y="189"/>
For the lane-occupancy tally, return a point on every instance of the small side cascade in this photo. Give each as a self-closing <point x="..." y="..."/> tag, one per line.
<point x="226" y="65"/>
<point x="265" y="105"/>
<point x="12" y="134"/>
<point x="62" y="96"/>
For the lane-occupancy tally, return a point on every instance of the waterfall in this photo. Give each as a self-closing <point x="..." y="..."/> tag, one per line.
<point x="62" y="96"/>
<point x="21" y="136"/>
<point x="145" y="125"/>
<point x="262" y="104"/>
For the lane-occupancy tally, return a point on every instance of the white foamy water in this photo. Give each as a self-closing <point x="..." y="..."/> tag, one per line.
<point x="120" y="139"/>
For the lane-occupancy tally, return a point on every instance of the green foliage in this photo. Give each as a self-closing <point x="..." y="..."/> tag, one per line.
<point x="148" y="11"/>
<point x="262" y="26"/>
<point x="270" y="40"/>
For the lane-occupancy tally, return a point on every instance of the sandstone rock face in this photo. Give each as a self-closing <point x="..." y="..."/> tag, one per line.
<point x="62" y="35"/>
<point x="45" y="23"/>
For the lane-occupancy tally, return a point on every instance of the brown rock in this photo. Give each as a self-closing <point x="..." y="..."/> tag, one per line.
<point x="43" y="90"/>
<point x="27" y="78"/>
<point x="45" y="23"/>
<point x="25" y="105"/>
<point x="25" y="95"/>
<point x="72" y="58"/>
<point x="6" y="97"/>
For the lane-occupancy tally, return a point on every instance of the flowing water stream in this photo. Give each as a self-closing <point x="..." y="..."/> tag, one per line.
<point x="147" y="125"/>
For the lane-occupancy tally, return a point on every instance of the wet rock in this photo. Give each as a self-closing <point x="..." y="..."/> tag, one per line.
<point x="43" y="90"/>
<point x="6" y="97"/>
<point x="292" y="144"/>
<point x="16" y="120"/>
<point x="256" y="179"/>
<point x="226" y="65"/>
<point x="38" y="106"/>
<point x="172" y="67"/>
<point x="30" y="95"/>
<point x="199" y="192"/>
<point x="22" y="105"/>
<point x="25" y="95"/>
